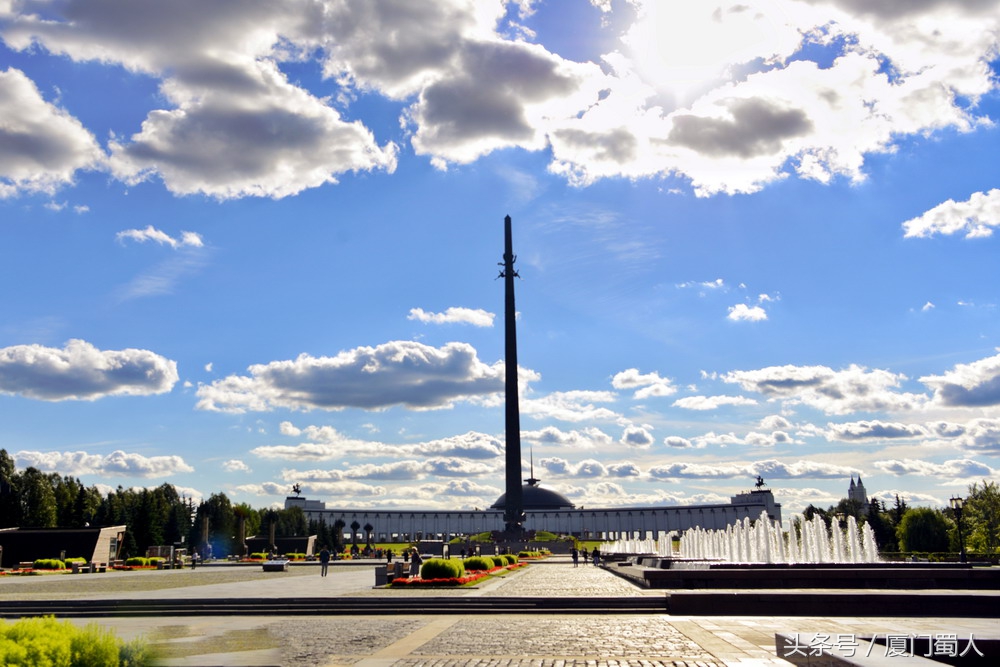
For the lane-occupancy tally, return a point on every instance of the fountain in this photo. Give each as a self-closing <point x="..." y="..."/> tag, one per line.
<point x="763" y="541"/>
<point x="760" y="554"/>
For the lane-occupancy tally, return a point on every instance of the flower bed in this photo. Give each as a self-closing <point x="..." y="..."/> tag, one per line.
<point x="416" y="582"/>
<point x="444" y="582"/>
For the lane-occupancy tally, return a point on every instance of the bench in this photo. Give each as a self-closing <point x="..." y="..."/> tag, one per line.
<point x="26" y="565"/>
<point x="79" y="568"/>
<point x="275" y="566"/>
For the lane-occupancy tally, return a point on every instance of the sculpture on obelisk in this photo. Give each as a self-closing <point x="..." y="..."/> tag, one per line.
<point x="513" y="513"/>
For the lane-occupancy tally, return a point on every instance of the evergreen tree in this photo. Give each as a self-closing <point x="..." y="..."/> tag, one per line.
<point x="10" y="508"/>
<point x="37" y="500"/>
<point x="882" y="527"/>
<point x="221" y="524"/>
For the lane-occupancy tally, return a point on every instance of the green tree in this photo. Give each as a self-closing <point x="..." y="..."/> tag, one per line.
<point x="882" y="527"/>
<point x="292" y="522"/>
<point x="981" y="518"/>
<point x="221" y="523"/>
<point x="10" y="508"/>
<point x="38" y="501"/>
<point x="923" y="529"/>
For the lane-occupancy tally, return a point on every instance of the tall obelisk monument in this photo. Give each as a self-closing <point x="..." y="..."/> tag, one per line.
<point x="513" y="514"/>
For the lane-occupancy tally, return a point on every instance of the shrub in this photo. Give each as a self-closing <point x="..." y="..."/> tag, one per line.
<point x="137" y="561"/>
<point x="499" y="561"/>
<point x="259" y="555"/>
<point x="46" y="641"/>
<point x="76" y="559"/>
<point x="473" y="563"/>
<point x="441" y="568"/>
<point x="510" y="558"/>
<point x="48" y="564"/>
<point x="296" y="556"/>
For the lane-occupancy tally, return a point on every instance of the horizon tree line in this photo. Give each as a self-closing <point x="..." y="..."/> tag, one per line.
<point x="161" y="516"/>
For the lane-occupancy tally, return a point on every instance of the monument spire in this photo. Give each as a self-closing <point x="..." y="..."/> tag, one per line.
<point x="513" y="514"/>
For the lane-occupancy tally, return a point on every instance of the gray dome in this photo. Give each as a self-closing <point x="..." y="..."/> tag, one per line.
<point x="536" y="498"/>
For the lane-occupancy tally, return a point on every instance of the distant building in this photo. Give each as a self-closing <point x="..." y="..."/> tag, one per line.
<point x="549" y="511"/>
<point x="856" y="493"/>
<point x="97" y="545"/>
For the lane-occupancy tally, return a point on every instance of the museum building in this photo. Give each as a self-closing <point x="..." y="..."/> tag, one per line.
<point x="546" y="510"/>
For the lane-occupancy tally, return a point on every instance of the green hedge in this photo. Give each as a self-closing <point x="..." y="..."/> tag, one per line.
<point x="510" y="558"/>
<point x="30" y="642"/>
<point x="499" y="561"/>
<point x="473" y="563"/>
<point x="48" y="564"/>
<point x="259" y="555"/>
<point x="139" y="561"/>
<point x="442" y="568"/>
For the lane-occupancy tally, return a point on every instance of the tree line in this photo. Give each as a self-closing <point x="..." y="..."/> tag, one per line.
<point x="903" y="529"/>
<point x="160" y="516"/>
<point x="154" y="517"/>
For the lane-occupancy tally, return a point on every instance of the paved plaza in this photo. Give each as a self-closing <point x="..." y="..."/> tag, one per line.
<point x="448" y="640"/>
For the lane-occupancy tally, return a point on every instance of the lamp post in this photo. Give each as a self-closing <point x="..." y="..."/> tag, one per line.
<point x="957" y="504"/>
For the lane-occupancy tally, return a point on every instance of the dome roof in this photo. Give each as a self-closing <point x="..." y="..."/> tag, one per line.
<point x="536" y="498"/>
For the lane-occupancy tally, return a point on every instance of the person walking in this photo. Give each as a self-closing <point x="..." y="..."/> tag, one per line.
<point x="324" y="561"/>
<point x="415" y="563"/>
<point x="596" y="555"/>
<point x="576" y="557"/>
<point x="585" y="555"/>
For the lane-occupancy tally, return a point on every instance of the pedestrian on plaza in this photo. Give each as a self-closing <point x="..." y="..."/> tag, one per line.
<point x="596" y="555"/>
<point x="585" y="555"/>
<point x="388" y="555"/>
<point x="324" y="560"/>
<point x="576" y="557"/>
<point x="194" y="559"/>
<point x="415" y="563"/>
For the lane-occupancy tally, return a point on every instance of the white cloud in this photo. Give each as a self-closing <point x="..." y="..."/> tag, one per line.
<point x="326" y="443"/>
<point x="235" y="465"/>
<point x="980" y="435"/>
<point x="874" y="430"/>
<point x="770" y="468"/>
<point x="726" y="96"/>
<point x="638" y="437"/>
<point x="835" y="392"/>
<point x="775" y="423"/>
<point x="955" y="469"/>
<point x="81" y="371"/>
<point x="678" y="442"/>
<point x="646" y="385"/>
<point x="741" y="312"/>
<point x="117" y="463"/>
<point x="395" y="373"/>
<point x="588" y="438"/>
<point x="150" y="233"/>
<point x="477" y="317"/>
<point x="976" y="217"/>
<point x="559" y="467"/>
<point x="711" y="402"/>
<point x="43" y="146"/>
<point x="968" y="385"/>
<point x="572" y="406"/>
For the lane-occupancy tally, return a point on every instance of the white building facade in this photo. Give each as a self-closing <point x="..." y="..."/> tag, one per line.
<point x="611" y="523"/>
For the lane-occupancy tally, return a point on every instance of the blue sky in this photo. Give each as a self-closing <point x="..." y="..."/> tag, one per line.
<point x="252" y="244"/>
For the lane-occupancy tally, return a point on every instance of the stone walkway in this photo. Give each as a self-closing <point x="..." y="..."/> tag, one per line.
<point x="485" y="640"/>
